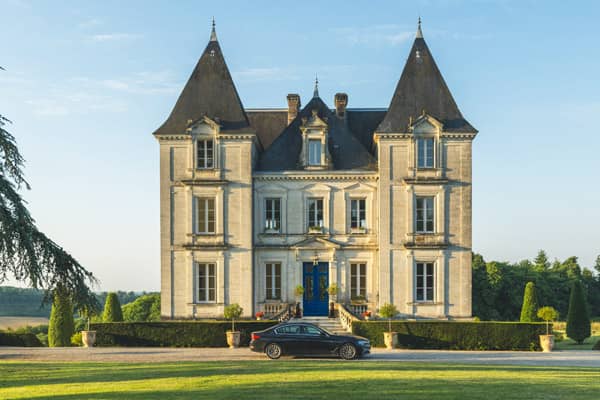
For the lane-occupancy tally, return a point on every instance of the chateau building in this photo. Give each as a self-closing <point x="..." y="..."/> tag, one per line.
<point x="375" y="202"/>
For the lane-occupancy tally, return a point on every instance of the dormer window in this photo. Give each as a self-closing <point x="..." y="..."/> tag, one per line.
<point x="314" y="152"/>
<point x="425" y="152"/>
<point x="205" y="154"/>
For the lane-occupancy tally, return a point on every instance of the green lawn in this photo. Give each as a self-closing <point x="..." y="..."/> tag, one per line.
<point x="570" y="344"/>
<point x="292" y="379"/>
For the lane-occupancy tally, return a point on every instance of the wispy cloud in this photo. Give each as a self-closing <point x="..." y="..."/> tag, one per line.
<point x="114" y="37"/>
<point x="145" y="82"/>
<point x="377" y="35"/>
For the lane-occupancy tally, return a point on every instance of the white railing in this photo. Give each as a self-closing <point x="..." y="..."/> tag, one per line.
<point x="272" y="310"/>
<point x="346" y="317"/>
<point x="357" y="309"/>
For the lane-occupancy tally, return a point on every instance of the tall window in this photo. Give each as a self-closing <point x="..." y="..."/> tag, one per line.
<point x="424" y="283"/>
<point x="358" y="213"/>
<point x="205" y="211"/>
<point x="205" y="154"/>
<point x="273" y="214"/>
<point x="315" y="212"/>
<point x="424" y="216"/>
<point x="206" y="282"/>
<point x="273" y="285"/>
<point x="358" y="281"/>
<point x="314" y="152"/>
<point x="425" y="152"/>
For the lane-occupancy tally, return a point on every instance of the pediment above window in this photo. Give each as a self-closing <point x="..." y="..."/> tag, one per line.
<point x="315" y="147"/>
<point x="203" y="126"/>
<point x="426" y="125"/>
<point x="316" y="243"/>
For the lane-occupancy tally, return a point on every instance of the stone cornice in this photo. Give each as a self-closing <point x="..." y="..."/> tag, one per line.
<point x="408" y="135"/>
<point x="204" y="182"/>
<point x="320" y="176"/>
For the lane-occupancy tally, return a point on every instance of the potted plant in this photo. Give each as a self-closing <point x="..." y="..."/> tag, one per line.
<point x="233" y="312"/>
<point x="358" y="300"/>
<point x="259" y="315"/>
<point x="298" y="292"/>
<point x="366" y="315"/>
<point x="88" y="337"/>
<point x="548" y="314"/>
<point x="333" y="291"/>
<point x="390" y="338"/>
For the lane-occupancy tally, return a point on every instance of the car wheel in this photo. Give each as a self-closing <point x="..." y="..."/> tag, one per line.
<point x="273" y="351"/>
<point x="348" y="351"/>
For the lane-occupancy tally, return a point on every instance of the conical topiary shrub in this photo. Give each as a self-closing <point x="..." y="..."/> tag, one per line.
<point x="61" y="326"/>
<point x="530" y="304"/>
<point x="112" y="309"/>
<point x="578" y="320"/>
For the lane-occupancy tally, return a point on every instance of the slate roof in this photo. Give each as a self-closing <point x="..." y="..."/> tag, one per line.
<point x="347" y="152"/>
<point x="422" y="88"/>
<point x="210" y="92"/>
<point x="267" y="124"/>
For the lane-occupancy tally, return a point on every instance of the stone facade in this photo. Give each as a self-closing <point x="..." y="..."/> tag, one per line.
<point x="255" y="203"/>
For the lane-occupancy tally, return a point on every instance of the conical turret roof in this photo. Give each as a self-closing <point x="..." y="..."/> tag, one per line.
<point x="209" y="92"/>
<point x="422" y="89"/>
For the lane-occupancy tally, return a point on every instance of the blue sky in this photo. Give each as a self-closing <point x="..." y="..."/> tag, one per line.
<point x="86" y="83"/>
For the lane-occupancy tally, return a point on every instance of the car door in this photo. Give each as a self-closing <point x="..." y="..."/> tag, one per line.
<point x="290" y="338"/>
<point x="315" y="341"/>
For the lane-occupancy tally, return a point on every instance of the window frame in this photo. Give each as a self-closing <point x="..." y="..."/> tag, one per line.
<point x="310" y="153"/>
<point x="207" y="275"/>
<point x="359" y="210"/>
<point x="426" y="147"/>
<point x="273" y="271"/>
<point x="424" y="288"/>
<point x="204" y="149"/>
<point x="275" y="214"/>
<point x="424" y="210"/>
<point x="205" y="230"/>
<point x="358" y="272"/>
<point x="319" y="222"/>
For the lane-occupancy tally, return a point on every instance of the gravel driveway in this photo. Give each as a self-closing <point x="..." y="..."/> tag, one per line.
<point x="154" y="354"/>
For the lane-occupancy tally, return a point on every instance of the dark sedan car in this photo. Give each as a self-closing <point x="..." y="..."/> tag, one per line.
<point x="301" y="338"/>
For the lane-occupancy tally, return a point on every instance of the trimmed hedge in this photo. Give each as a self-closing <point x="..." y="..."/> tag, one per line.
<point x="174" y="334"/>
<point x="19" y="339"/>
<point x="452" y="335"/>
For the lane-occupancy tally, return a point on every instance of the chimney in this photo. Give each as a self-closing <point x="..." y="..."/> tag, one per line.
<point x="341" y="101"/>
<point x="293" y="101"/>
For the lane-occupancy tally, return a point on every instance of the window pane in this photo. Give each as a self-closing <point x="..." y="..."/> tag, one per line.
<point x="314" y="152"/>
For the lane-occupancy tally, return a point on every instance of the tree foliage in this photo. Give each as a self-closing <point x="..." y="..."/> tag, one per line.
<point x="233" y="312"/>
<point x="25" y="252"/>
<point x="530" y="304"/>
<point x="548" y="314"/>
<point x="112" y="309"/>
<point x="578" y="320"/>
<point x="498" y="286"/>
<point x="145" y="308"/>
<point x="388" y="311"/>
<point x="61" y="325"/>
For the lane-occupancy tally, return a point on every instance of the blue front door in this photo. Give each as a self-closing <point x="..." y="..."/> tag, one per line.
<point x="316" y="281"/>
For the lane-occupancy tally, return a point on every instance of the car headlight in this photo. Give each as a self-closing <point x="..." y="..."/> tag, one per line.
<point x="363" y="342"/>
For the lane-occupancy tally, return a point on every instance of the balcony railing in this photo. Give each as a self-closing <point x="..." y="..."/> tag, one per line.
<point x="274" y="310"/>
<point x="425" y="240"/>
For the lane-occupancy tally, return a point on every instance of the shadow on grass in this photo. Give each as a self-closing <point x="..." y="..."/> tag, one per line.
<point x="364" y="387"/>
<point x="18" y="374"/>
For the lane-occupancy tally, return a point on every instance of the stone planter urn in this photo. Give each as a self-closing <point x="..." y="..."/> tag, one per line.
<point x="390" y="339"/>
<point x="88" y="338"/>
<point x="547" y="343"/>
<point x="233" y="339"/>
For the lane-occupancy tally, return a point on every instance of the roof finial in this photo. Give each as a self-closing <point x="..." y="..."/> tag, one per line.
<point x="316" y="92"/>
<point x="419" y="31"/>
<point x="213" y="32"/>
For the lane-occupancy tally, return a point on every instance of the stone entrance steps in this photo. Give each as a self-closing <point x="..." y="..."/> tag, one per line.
<point x="332" y="325"/>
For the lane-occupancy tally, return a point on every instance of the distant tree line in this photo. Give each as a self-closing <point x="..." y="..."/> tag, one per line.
<point x="498" y="287"/>
<point x="27" y="302"/>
